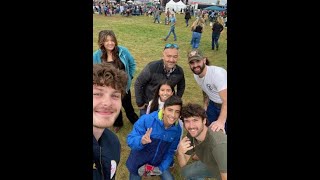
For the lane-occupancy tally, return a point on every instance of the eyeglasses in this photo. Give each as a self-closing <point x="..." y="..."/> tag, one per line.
<point x="171" y="46"/>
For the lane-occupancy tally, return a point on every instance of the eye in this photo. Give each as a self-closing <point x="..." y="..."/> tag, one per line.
<point x="97" y="94"/>
<point x="116" y="96"/>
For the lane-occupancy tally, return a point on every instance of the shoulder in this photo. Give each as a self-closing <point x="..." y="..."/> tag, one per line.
<point x="97" y="52"/>
<point x="155" y="64"/>
<point x="217" y="137"/>
<point x="220" y="69"/>
<point x="110" y="136"/>
<point x="179" y="68"/>
<point x="123" y="49"/>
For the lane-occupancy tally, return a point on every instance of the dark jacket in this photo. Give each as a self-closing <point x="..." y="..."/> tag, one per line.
<point x="187" y="16"/>
<point x="149" y="78"/>
<point x="216" y="28"/>
<point x="105" y="153"/>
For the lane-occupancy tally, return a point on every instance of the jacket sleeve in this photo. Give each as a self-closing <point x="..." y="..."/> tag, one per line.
<point x="97" y="57"/>
<point x="181" y="85"/>
<point x="140" y="85"/>
<point x="135" y="136"/>
<point x="168" y="158"/>
<point x="131" y="63"/>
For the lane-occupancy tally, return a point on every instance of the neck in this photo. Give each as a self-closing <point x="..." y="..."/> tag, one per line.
<point x="97" y="132"/>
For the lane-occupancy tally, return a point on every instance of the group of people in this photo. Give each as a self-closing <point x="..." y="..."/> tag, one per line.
<point x="157" y="134"/>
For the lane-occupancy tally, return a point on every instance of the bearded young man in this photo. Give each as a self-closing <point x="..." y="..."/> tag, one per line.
<point x="213" y="82"/>
<point x="209" y="146"/>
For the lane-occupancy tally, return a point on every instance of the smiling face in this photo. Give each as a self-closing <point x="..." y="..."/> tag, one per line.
<point x="171" y="114"/>
<point x="170" y="57"/>
<point x="106" y="106"/>
<point x="109" y="43"/>
<point x="195" y="126"/>
<point x="197" y="66"/>
<point x="165" y="92"/>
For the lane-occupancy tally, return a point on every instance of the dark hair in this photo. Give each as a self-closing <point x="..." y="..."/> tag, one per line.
<point x="115" y="52"/>
<point x="207" y="61"/>
<point x="190" y="110"/>
<point x="108" y="75"/>
<point x="155" y="103"/>
<point x="172" y="100"/>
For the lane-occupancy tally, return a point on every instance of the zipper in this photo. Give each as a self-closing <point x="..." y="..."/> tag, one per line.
<point x="100" y="159"/>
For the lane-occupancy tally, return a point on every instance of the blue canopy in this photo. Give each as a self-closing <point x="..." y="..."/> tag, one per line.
<point x="214" y="8"/>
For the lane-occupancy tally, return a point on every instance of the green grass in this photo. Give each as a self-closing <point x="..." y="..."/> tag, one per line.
<point x="143" y="38"/>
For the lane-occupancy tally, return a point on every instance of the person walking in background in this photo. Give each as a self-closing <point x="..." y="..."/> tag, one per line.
<point x="213" y="82"/>
<point x="153" y="141"/>
<point x="217" y="28"/>
<point x="110" y="52"/>
<point x="172" y="21"/>
<point x="209" y="146"/>
<point x="152" y="74"/>
<point x="157" y="15"/>
<point x="167" y="16"/>
<point x="109" y="85"/>
<point x="196" y="28"/>
<point x="187" y="17"/>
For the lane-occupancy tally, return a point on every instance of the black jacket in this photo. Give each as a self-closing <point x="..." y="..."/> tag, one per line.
<point x="149" y="78"/>
<point x="105" y="153"/>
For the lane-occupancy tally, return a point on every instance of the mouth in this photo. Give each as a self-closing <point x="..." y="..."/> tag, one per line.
<point x="104" y="112"/>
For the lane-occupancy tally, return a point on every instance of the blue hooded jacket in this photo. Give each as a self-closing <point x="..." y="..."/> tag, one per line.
<point x="160" y="151"/>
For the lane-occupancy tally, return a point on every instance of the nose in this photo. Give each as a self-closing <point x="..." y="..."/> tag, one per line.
<point x="106" y="101"/>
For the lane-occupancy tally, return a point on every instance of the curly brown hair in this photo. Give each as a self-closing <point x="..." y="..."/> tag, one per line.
<point x="107" y="75"/>
<point x="190" y="110"/>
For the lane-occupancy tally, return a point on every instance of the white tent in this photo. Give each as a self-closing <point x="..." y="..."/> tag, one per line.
<point x="180" y="5"/>
<point x="171" y="5"/>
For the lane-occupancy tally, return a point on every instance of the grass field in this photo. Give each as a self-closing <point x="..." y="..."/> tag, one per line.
<point x="143" y="38"/>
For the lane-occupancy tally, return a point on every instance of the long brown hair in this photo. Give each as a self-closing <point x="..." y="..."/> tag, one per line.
<point x="155" y="103"/>
<point x="115" y="52"/>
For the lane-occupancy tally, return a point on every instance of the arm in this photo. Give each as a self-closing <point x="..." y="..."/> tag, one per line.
<point x="220" y="122"/>
<point x="223" y="113"/>
<point x="97" y="57"/>
<point x="134" y="137"/>
<point x="219" y="153"/>
<point x="183" y="147"/>
<point x="205" y="100"/>
<point x="131" y="63"/>
<point x="139" y="86"/>
<point x="223" y="176"/>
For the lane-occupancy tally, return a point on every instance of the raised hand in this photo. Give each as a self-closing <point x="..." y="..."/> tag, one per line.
<point x="146" y="137"/>
<point x="184" y="145"/>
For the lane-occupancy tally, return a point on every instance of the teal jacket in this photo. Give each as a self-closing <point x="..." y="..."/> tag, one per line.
<point x="126" y="59"/>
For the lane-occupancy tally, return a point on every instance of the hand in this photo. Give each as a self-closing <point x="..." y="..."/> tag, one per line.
<point x="184" y="145"/>
<point x="149" y="170"/>
<point x="217" y="125"/>
<point x="146" y="137"/>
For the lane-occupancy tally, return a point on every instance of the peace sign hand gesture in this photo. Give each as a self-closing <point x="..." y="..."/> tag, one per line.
<point x="146" y="137"/>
